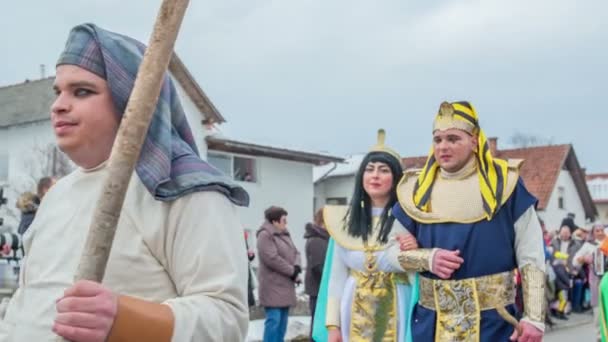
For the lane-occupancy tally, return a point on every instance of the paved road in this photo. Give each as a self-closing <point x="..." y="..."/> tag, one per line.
<point x="583" y="333"/>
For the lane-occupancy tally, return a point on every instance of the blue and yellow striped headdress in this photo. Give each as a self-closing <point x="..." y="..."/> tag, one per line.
<point x="492" y="172"/>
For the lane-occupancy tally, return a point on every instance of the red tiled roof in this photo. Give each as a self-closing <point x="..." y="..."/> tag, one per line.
<point x="539" y="171"/>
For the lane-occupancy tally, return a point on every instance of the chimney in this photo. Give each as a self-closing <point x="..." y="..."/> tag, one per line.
<point x="42" y="71"/>
<point x="493" y="142"/>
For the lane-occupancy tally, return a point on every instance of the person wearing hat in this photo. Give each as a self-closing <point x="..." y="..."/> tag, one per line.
<point x="365" y="294"/>
<point x="177" y="269"/>
<point x="581" y="234"/>
<point x="587" y="255"/>
<point x="475" y="223"/>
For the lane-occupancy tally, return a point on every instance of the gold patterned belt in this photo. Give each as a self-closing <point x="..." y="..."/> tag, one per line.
<point x="490" y="290"/>
<point x="458" y="303"/>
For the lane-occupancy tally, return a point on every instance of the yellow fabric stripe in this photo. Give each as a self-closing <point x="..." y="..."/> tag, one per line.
<point x="425" y="180"/>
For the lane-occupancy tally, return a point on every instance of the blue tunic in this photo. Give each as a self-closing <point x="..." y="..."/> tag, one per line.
<point x="487" y="247"/>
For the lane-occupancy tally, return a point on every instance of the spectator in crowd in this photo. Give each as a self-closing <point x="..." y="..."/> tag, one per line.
<point x="562" y="284"/>
<point x="565" y="244"/>
<point x="317" y="239"/>
<point x="28" y="203"/>
<point x="278" y="274"/>
<point x="586" y="256"/>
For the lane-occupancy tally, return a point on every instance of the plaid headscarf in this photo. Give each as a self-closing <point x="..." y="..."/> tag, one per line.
<point x="492" y="171"/>
<point x="169" y="164"/>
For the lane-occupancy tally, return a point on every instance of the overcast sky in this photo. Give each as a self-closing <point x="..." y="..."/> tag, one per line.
<point x="325" y="74"/>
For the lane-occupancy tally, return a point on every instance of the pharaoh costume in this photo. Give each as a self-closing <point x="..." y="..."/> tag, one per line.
<point x="178" y="241"/>
<point x="485" y="212"/>
<point x="364" y="290"/>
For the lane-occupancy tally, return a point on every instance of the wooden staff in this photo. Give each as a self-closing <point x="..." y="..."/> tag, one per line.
<point x="129" y="140"/>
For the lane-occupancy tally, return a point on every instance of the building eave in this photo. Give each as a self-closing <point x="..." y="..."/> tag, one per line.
<point x="193" y="89"/>
<point x="220" y="144"/>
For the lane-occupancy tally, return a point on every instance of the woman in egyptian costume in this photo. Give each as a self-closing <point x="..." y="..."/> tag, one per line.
<point x="365" y="294"/>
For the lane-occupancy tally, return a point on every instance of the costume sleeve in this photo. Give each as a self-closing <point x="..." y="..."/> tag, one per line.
<point x="529" y="240"/>
<point x="417" y="260"/>
<point x="404" y="219"/>
<point x="531" y="263"/>
<point x="398" y="264"/>
<point x="267" y="251"/>
<point x="337" y="282"/>
<point x="206" y="260"/>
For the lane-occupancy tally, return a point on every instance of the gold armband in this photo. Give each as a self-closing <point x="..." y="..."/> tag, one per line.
<point x="533" y="285"/>
<point x="418" y="260"/>
<point x="140" y="320"/>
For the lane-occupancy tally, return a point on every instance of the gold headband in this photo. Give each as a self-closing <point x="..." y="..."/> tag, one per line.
<point x="448" y="118"/>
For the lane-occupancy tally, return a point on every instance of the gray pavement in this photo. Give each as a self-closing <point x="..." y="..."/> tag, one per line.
<point x="578" y="328"/>
<point x="581" y="333"/>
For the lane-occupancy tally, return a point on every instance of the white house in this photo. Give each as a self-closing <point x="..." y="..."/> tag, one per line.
<point x="275" y="176"/>
<point x="334" y="182"/>
<point x="551" y="173"/>
<point x="598" y="186"/>
<point x="271" y="176"/>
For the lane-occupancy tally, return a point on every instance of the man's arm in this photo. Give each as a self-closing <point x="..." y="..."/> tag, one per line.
<point x="202" y="251"/>
<point x="531" y="263"/>
<point x="415" y="260"/>
<point x="206" y="260"/>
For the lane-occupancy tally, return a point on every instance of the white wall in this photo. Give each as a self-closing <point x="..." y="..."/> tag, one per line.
<point x="286" y="184"/>
<point x="339" y="186"/>
<point x="195" y="118"/>
<point x="20" y="143"/>
<point x="552" y="215"/>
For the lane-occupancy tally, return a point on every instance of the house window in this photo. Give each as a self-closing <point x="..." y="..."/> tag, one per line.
<point x="3" y="167"/>
<point x="239" y="168"/>
<point x="560" y="197"/>
<point x="244" y="169"/>
<point x="221" y="162"/>
<point x="336" y="201"/>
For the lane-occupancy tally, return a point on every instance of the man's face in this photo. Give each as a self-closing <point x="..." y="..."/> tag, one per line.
<point x="453" y="148"/>
<point x="598" y="233"/>
<point x="564" y="233"/>
<point x="83" y="116"/>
